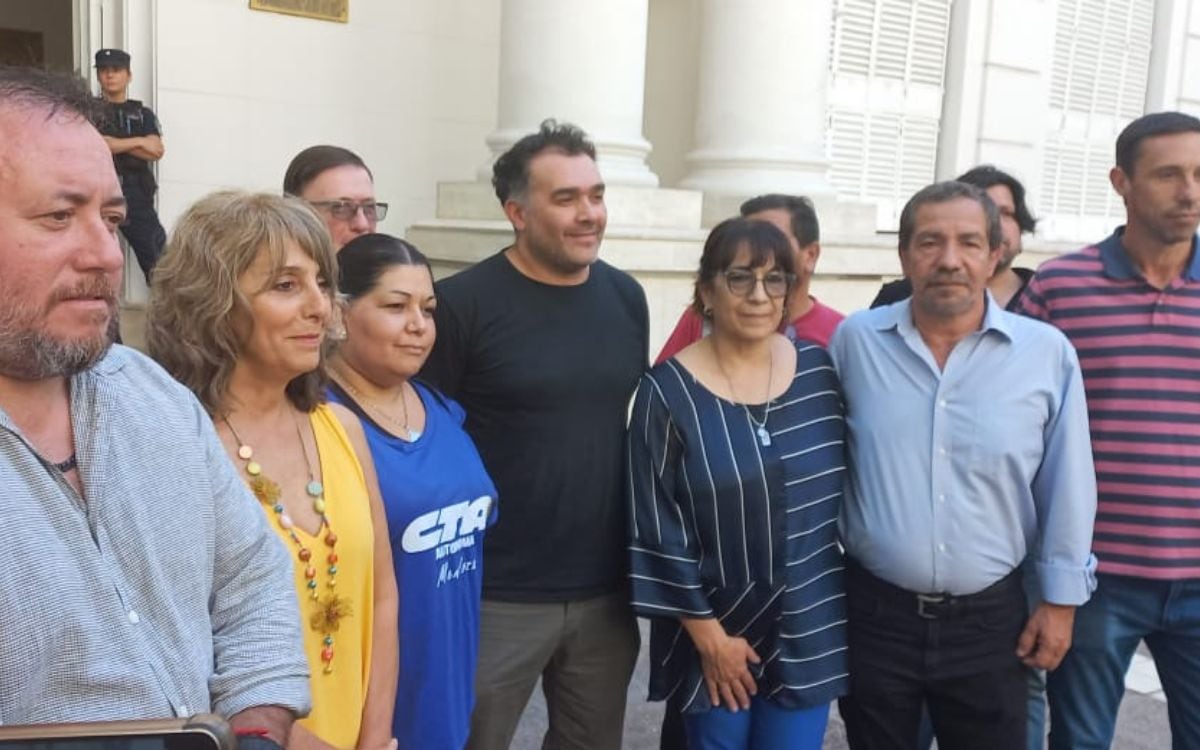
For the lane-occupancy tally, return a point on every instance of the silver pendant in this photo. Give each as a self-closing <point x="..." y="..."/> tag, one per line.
<point x="764" y="437"/>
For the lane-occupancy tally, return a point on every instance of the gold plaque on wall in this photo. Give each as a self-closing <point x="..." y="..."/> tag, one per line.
<point x="325" y="10"/>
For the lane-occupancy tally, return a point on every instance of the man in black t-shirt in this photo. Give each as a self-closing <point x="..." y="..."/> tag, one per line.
<point x="543" y="345"/>
<point x="131" y="131"/>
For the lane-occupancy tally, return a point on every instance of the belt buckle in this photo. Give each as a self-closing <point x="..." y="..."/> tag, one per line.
<point x="929" y="599"/>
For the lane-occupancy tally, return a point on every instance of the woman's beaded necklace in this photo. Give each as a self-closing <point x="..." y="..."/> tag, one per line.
<point x="330" y="609"/>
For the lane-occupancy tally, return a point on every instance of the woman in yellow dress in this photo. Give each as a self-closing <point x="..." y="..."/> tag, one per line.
<point x="239" y="307"/>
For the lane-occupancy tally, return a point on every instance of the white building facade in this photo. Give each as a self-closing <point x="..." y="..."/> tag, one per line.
<point x="694" y="105"/>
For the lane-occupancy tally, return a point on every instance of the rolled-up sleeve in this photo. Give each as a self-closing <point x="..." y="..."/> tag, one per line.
<point x="258" y="653"/>
<point x="1064" y="492"/>
<point x="664" y="550"/>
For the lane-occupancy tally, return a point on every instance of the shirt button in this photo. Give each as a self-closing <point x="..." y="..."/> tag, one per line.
<point x="942" y="403"/>
<point x="941" y="548"/>
<point x="183" y="710"/>
<point x="942" y="450"/>
<point x="941" y="498"/>
<point x="133" y="617"/>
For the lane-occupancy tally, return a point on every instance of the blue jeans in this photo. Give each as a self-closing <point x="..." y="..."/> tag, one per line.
<point x="764" y="726"/>
<point x="1086" y="689"/>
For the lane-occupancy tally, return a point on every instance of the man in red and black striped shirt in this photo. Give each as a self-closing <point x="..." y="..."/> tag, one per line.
<point x="1131" y="307"/>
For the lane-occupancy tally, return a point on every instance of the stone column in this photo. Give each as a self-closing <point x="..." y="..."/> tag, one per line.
<point x="583" y="63"/>
<point x="1172" y="55"/>
<point x="760" y="116"/>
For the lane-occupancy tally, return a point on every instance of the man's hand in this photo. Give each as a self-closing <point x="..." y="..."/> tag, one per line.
<point x="1047" y="636"/>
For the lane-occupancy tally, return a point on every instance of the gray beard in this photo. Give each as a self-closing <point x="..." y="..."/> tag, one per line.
<point x="28" y="354"/>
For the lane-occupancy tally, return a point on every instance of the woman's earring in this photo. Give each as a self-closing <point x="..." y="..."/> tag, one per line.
<point x="707" y="311"/>
<point x="337" y="320"/>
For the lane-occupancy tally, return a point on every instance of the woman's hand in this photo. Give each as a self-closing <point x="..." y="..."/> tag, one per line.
<point x="725" y="672"/>
<point x="724" y="661"/>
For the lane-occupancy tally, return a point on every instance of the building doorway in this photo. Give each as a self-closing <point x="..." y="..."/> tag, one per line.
<point x="39" y="33"/>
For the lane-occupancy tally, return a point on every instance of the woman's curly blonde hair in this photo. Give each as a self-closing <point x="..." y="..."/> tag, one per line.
<point x="194" y="296"/>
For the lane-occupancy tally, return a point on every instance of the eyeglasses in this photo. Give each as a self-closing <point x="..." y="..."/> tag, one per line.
<point x="346" y="210"/>
<point x="742" y="281"/>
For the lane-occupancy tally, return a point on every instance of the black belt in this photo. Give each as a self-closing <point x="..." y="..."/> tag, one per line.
<point x="937" y="606"/>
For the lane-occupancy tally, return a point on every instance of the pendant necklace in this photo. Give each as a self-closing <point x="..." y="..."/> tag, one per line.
<point x="407" y="433"/>
<point x="330" y="609"/>
<point x="760" y="428"/>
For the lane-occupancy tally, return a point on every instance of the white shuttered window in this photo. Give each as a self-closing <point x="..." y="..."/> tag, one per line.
<point x="887" y="69"/>
<point x="1097" y="86"/>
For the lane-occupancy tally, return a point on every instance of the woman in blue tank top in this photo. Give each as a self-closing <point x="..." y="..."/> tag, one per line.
<point x="437" y="495"/>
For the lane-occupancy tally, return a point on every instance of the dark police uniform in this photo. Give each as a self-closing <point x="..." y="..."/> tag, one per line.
<point x="132" y="119"/>
<point x="142" y="229"/>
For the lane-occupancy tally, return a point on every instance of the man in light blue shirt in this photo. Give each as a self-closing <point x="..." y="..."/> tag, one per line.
<point x="969" y="448"/>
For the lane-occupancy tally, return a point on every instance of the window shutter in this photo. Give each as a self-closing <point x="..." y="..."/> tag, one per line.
<point x="887" y="70"/>
<point x="1097" y="86"/>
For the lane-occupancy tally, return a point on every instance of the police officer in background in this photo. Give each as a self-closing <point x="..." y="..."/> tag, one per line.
<point x="132" y="133"/>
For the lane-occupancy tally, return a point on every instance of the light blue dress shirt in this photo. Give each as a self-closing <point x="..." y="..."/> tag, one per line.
<point x="957" y="474"/>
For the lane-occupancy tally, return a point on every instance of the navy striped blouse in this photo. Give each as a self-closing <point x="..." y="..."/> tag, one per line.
<point x="723" y="526"/>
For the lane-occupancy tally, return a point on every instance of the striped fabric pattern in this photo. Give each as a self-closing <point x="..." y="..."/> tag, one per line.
<point x="722" y="526"/>
<point x="1139" y="348"/>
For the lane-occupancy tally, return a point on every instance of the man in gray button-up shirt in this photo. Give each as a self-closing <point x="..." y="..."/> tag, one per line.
<point x="139" y="579"/>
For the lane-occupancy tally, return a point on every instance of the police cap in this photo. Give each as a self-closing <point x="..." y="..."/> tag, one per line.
<point x="112" y="58"/>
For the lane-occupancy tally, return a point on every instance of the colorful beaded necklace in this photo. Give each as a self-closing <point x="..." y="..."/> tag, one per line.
<point x="330" y="609"/>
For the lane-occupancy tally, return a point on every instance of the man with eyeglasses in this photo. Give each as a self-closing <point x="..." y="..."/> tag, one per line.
<point x="964" y="459"/>
<point x="336" y="182"/>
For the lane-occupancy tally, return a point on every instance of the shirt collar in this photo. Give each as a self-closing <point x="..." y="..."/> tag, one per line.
<point x="898" y="317"/>
<point x="1117" y="264"/>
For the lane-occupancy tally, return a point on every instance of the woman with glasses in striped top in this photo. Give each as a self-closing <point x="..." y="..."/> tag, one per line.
<point x="735" y="483"/>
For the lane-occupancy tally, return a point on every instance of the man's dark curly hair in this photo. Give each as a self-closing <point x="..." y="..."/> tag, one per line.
<point x="510" y="174"/>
